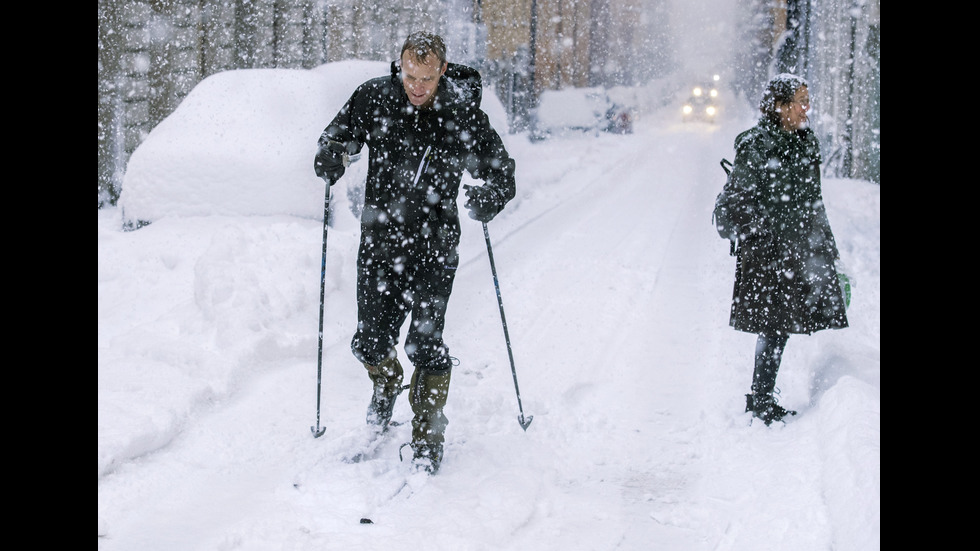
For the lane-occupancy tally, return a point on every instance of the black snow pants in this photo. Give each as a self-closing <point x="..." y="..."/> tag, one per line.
<point x="396" y="277"/>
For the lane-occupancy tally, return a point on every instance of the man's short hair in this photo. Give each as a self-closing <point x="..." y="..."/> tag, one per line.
<point x="422" y="43"/>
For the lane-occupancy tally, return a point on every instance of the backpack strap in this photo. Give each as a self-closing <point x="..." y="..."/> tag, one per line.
<point x="727" y="166"/>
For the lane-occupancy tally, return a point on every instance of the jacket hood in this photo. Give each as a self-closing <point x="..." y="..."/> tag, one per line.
<point x="461" y="86"/>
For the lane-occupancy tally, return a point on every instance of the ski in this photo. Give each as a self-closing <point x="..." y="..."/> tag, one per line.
<point x="367" y="451"/>
<point x="372" y="448"/>
<point x="404" y="489"/>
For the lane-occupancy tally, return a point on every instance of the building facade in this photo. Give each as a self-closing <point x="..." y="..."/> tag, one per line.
<point x="153" y="52"/>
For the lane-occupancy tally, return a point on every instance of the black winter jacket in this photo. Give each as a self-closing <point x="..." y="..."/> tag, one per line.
<point x="785" y="278"/>
<point x="417" y="156"/>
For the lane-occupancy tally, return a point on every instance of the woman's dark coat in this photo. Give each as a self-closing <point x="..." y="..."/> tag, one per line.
<point x="785" y="278"/>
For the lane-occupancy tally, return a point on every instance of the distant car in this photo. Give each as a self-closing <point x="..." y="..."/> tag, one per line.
<point x="702" y="105"/>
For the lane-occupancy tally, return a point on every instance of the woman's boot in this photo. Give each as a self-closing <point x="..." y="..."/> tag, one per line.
<point x="764" y="407"/>
<point x="768" y="355"/>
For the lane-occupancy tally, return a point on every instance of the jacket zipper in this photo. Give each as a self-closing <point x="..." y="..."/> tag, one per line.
<point x="422" y="165"/>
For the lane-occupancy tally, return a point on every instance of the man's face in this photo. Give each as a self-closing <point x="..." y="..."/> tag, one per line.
<point x="421" y="79"/>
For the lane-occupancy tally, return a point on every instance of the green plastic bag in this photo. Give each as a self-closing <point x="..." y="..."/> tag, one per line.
<point x="845" y="284"/>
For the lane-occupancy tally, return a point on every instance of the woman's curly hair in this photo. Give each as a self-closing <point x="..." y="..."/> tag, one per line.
<point x="781" y="89"/>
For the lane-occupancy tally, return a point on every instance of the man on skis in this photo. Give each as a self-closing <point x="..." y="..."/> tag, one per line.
<point x="423" y="127"/>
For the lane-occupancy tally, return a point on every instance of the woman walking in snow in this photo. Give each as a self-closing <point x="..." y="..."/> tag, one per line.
<point x="785" y="279"/>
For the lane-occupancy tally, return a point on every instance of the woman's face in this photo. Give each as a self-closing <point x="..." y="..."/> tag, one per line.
<point x="793" y="114"/>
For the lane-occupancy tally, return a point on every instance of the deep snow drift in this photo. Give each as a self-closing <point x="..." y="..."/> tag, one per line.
<point x="616" y="291"/>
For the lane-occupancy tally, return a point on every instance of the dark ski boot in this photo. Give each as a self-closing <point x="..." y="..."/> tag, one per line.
<point x="429" y="392"/>
<point x="387" y="379"/>
<point x="764" y="407"/>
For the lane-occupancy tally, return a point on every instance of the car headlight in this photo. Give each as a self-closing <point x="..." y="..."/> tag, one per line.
<point x="688" y="109"/>
<point x="710" y="110"/>
<point x="697" y="91"/>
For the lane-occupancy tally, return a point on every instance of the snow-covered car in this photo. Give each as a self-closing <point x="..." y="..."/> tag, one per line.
<point x="702" y="105"/>
<point x="576" y="110"/>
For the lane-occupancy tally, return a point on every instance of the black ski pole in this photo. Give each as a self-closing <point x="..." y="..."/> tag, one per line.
<point x="317" y="431"/>
<point x="503" y="320"/>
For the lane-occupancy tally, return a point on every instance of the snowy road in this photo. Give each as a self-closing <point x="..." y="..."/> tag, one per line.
<point x="616" y="291"/>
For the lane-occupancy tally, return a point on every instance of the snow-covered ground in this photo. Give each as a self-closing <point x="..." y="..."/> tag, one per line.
<point x="616" y="291"/>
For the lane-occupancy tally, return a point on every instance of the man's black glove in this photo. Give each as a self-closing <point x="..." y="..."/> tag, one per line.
<point x="331" y="161"/>
<point x="484" y="202"/>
